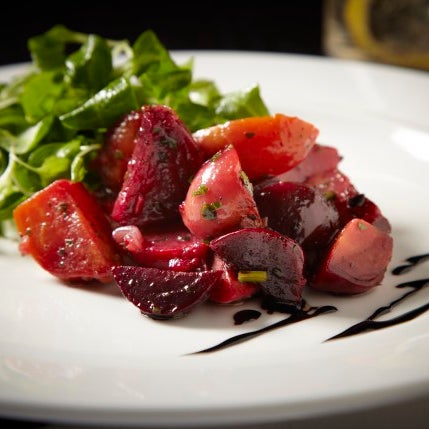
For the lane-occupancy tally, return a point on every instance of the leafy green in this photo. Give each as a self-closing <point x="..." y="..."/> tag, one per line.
<point x="241" y="104"/>
<point x="104" y="108"/>
<point x="48" y="50"/>
<point x="40" y="94"/>
<point x="54" y="116"/>
<point x="91" y="66"/>
<point x="28" y="139"/>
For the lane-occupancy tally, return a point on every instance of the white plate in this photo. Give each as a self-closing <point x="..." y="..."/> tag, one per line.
<point x="87" y="355"/>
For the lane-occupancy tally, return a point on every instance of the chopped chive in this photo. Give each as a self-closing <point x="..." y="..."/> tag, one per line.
<point x="201" y="190"/>
<point x="246" y="181"/>
<point x="216" y="156"/>
<point x="208" y="210"/>
<point x="330" y="195"/>
<point x="362" y="226"/>
<point x="252" y="276"/>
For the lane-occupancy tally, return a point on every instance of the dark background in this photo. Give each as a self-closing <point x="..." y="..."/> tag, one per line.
<point x="288" y="26"/>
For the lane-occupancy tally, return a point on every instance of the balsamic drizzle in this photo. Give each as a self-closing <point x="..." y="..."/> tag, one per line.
<point x="297" y="315"/>
<point x="369" y="324"/>
<point x="307" y="312"/>
<point x="412" y="262"/>
<point x="245" y="315"/>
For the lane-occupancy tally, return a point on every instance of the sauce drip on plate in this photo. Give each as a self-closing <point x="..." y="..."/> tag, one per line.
<point x="296" y="315"/>
<point x="307" y="311"/>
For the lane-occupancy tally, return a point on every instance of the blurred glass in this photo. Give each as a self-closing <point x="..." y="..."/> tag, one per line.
<point x="387" y="31"/>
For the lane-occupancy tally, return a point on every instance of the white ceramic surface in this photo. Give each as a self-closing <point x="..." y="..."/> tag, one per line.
<point x="86" y="355"/>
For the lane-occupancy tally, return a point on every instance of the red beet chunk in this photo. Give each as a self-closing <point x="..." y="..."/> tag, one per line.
<point x="357" y="260"/>
<point x="219" y="199"/>
<point x="112" y="160"/>
<point x="229" y="289"/>
<point x="263" y="249"/>
<point x="66" y="232"/>
<point x="266" y="145"/>
<point x="164" y="159"/>
<point x="168" y="247"/>
<point x="360" y="206"/>
<point x="320" y="159"/>
<point x="164" y="294"/>
<point x="299" y="211"/>
<point x="334" y="184"/>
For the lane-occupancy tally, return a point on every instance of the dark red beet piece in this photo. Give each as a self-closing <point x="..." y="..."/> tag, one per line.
<point x="164" y="294"/>
<point x="164" y="159"/>
<point x="299" y="211"/>
<point x="360" y="206"/>
<point x="263" y="249"/>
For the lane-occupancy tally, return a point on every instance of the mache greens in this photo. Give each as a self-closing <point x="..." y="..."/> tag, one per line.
<point x="54" y="115"/>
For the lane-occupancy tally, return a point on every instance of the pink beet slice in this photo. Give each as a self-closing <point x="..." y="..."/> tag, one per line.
<point x="164" y="294"/>
<point x="164" y="159"/>
<point x="356" y="261"/>
<point x="263" y="249"/>
<point x="320" y="159"/>
<point x="219" y="198"/>
<point x="169" y="246"/>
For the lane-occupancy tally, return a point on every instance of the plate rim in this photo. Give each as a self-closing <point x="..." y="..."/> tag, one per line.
<point x="202" y="417"/>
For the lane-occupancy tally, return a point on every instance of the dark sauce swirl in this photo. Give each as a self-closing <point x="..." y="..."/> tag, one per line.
<point x="411" y="263"/>
<point x="245" y="315"/>
<point x="305" y="311"/>
<point x="369" y="324"/>
<point x="296" y="315"/>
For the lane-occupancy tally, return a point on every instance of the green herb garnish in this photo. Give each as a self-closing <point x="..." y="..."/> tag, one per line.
<point x="201" y="190"/>
<point x="252" y="276"/>
<point x="209" y="210"/>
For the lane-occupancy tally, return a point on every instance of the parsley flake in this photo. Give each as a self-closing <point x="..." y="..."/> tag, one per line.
<point x="209" y="210"/>
<point x="201" y="190"/>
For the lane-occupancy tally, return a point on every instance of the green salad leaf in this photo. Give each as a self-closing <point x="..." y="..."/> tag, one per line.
<point x="54" y="115"/>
